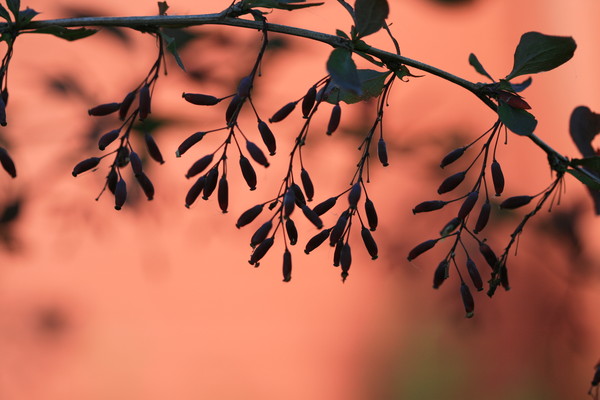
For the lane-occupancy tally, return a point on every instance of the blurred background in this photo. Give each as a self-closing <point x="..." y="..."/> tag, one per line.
<point x="157" y="301"/>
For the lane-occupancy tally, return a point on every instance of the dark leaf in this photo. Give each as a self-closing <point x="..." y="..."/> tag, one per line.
<point x="280" y="4"/>
<point x="371" y="84"/>
<point x="66" y="33"/>
<point x="26" y="15"/>
<point x="537" y="52"/>
<point x="343" y="72"/>
<point x="369" y="16"/>
<point x="519" y="87"/>
<point x="517" y="120"/>
<point x="14" y="6"/>
<point x="4" y="13"/>
<point x="162" y="8"/>
<point x="478" y="67"/>
<point x="348" y="8"/>
<point x="172" y="48"/>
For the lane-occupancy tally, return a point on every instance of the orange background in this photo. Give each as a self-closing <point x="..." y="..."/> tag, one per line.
<point x="158" y="301"/>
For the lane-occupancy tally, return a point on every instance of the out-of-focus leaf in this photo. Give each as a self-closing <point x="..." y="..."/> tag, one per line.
<point x="517" y="120"/>
<point x="519" y="87"/>
<point x="589" y="182"/>
<point x="65" y="33"/>
<point x="172" y="48"/>
<point x="478" y="67"/>
<point x="369" y="16"/>
<point x="343" y="71"/>
<point x="537" y="52"/>
<point x="371" y="84"/>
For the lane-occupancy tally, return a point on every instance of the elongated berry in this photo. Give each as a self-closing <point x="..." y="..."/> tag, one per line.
<point x="244" y="87"/>
<point x="261" y="250"/>
<point x="136" y="163"/>
<point x="267" y="137"/>
<point x="248" y="172"/>
<point x="291" y="231"/>
<point x="256" y="153"/>
<point x="120" y="194"/>
<point x="440" y="274"/>
<point x="144" y="102"/>
<point x="312" y="216"/>
<point x="195" y="191"/>
<point x="515" y="202"/>
<point x="450" y="227"/>
<point x="81" y="167"/>
<point x="223" y="194"/>
<point x="504" y="277"/>
<point x="497" y="178"/>
<point x="316" y="240"/>
<point x="104" y="109"/>
<point x="283" y="112"/>
<point x="307" y="184"/>
<point x="200" y="99"/>
<point x="468" y="205"/>
<point x="467" y="299"/>
<point x="212" y="178"/>
<point x="488" y="254"/>
<point x="189" y="142"/>
<point x="474" y="274"/>
<point x="233" y="109"/>
<point x="122" y="158"/>
<point x="451" y="182"/>
<point x="261" y="233"/>
<point x="153" y="149"/>
<point x="298" y="195"/>
<point x="452" y="156"/>
<point x="146" y="185"/>
<point x="345" y="260"/>
<point x="289" y="201"/>
<point x="371" y="213"/>
<point x="199" y="166"/>
<point x="334" y="119"/>
<point x="2" y="112"/>
<point x="325" y="206"/>
<point x="338" y="228"/>
<point x="382" y="152"/>
<point x="249" y="215"/>
<point x="106" y="139"/>
<point x="421" y="248"/>
<point x="9" y="165"/>
<point x="428" y="206"/>
<point x="337" y="252"/>
<point x="369" y="242"/>
<point x="126" y="104"/>
<point x="308" y="101"/>
<point x="111" y="180"/>
<point x="287" y="266"/>
<point x="484" y="217"/>
<point x="354" y="195"/>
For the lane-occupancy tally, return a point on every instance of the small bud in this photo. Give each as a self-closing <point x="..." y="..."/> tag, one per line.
<point x="292" y="232"/>
<point x="451" y="182"/>
<point x="267" y="137"/>
<point x="440" y="274"/>
<point x="9" y="165"/>
<point x="308" y="102"/>
<point x="146" y="185"/>
<point x="122" y="158"/>
<point x="83" y="166"/>
<point x="189" y="142"/>
<point x="489" y="255"/>
<point x="345" y="260"/>
<point x="261" y="233"/>
<point x="312" y="216"/>
<point x="338" y="230"/>
<point x="369" y="242"/>
<point x="421" y="248"/>
<point x="153" y="149"/>
<point x="261" y="250"/>
<point x="382" y="152"/>
<point x="283" y="112"/>
<point x="233" y="109"/>
<point x="334" y="119"/>
<point x="484" y="216"/>
<point x="474" y="274"/>
<point x="212" y="178"/>
<point x="325" y="206"/>
<point x="257" y="154"/>
<point x="120" y="194"/>
<point x="371" y="214"/>
<point x="467" y="299"/>
<point x="144" y="102"/>
<point x="468" y="205"/>
<point x="223" y="194"/>
<point x="428" y="206"/>
<point x="106" y="139"/>
<point x="136" y="163"/>
<point x="126" y="104"/>
<point x="244" y="87"/>
<point x="104" y="109"/>
<point x="452" y="156"/>
<point x="195" y="191"/>
<point x="497" y="178"/>
<point x="354" y="195"/>
<point x="200" y="99"/>
<point x="316" y="240"/>
<point x="249" y="215"/>
<point x="287" y="266"/>
<point x="307" y="185"/>
<point x="513" y="100"/>
<point x="199" y="166"/>
<point x="248" y="172"/>
<point x="515" y="202"/>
